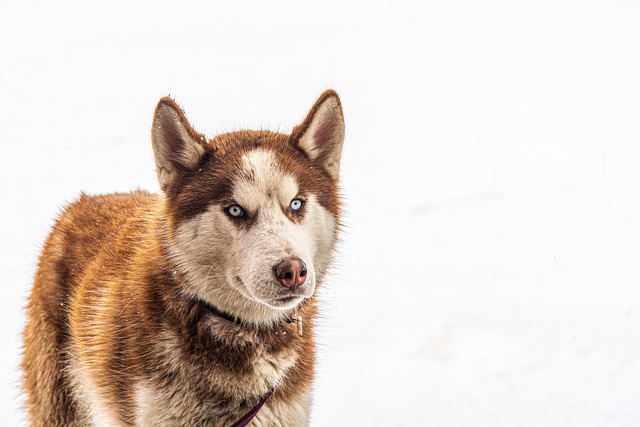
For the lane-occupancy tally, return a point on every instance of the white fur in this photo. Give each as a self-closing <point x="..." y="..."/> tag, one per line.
<point x="289" y="415"/>
<point x="144" y="401"/>
<point x="94" y="410"/>
<point x="232" y="266"/>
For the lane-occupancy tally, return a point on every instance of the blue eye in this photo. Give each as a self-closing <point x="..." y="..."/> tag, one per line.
<point x="296" y="205"/>
<point x="235" y="211"/>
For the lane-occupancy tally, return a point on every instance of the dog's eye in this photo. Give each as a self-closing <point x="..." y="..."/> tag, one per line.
<point x="296" y="205"/>
<point x="235" y="211"/>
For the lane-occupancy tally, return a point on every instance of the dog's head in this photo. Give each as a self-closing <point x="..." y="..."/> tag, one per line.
<point x="252" y="215"/>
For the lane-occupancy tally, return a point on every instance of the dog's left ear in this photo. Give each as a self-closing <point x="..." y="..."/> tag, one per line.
<point x="321" y="134"/>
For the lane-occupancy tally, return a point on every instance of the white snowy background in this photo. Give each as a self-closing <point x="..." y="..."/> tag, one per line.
<point x="490" y="265"/>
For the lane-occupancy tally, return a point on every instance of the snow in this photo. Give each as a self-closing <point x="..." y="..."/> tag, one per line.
<point x="489" y="268"/>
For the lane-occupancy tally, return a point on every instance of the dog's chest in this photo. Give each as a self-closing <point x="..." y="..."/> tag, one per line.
<point x="156" y="408"/>
<point x="196" y="388"/>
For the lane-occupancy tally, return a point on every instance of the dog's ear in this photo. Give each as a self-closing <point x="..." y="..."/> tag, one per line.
<point x="321" y="134"/>
<point x="176" y="145"/>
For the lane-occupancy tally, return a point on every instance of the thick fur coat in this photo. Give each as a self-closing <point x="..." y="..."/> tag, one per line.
<point x="123" y="322"/>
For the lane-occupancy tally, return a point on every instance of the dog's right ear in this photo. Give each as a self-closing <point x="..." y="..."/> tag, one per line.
<point x="177" y="146"/>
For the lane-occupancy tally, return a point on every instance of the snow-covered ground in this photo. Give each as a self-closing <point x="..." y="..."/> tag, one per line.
<point x="490" y="267"/>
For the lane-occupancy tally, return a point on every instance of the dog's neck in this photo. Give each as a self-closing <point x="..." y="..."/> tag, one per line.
<point x="219" y="313"/>
<point x="231" y="318"/>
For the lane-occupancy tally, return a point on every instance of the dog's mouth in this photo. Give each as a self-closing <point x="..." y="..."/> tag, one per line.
<point x="281" y="300"/>
<point x="288" y="300"/>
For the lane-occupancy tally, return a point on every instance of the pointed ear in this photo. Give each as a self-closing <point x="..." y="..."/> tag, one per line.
<point x="321" y="134"/>
<point x="176" y="145"/>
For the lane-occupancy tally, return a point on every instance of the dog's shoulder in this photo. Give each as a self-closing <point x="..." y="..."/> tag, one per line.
<point x="91" y="219"/>
<point x="91" y="224"/>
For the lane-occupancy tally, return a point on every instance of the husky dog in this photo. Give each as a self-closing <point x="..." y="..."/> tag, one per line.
<point x="195" y="306"/>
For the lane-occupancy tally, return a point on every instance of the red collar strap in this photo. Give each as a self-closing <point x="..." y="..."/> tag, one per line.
<point x="246" y="419"/>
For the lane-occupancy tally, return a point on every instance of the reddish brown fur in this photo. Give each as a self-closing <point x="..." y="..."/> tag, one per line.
<point x="106" y="292"/>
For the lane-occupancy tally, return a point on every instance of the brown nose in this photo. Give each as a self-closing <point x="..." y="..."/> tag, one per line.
<point x="291" y="273"/>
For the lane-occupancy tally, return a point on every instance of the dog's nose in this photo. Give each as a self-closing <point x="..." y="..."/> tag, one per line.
<point x="291" y="273"/>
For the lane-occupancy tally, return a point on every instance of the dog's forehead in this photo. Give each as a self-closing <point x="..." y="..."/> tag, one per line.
<point x="263" y="177"/>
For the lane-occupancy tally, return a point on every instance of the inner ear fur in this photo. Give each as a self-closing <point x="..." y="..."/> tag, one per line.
<point x="178" y="148"/>
<point x="321" y="135"/>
